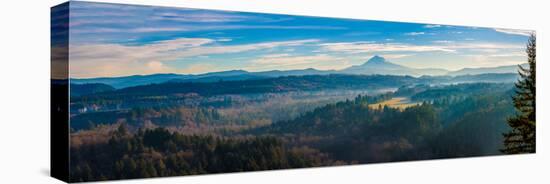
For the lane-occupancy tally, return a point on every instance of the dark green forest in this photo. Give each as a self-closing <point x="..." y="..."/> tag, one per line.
<point x="158" y="152"/>
<point x="450" y="125"/>
<point x="446" y="121"/>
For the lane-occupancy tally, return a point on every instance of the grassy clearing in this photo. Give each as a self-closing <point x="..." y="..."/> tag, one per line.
<point x="397" y="102"/>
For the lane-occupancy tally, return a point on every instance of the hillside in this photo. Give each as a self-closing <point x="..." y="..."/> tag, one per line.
<point x="251" y="85"/>
<point x="90" y="88"/>
<point x="270" y="85"/>
<point x="451" y="125"/>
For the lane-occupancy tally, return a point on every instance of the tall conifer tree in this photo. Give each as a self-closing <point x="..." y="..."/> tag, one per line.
<point x="522" y="137"/>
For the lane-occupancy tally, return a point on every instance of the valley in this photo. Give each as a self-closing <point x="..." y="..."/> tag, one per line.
<point x="309" y="120"/>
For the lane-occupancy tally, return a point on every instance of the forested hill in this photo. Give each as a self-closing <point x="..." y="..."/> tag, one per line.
<point x="298" y="83"/>
<point x="342" y="116"/>
<point x="158" y="153"/>
<point x="271" y="85"/>
<point x="90" y="88"/>
<point x="471" y="125"/>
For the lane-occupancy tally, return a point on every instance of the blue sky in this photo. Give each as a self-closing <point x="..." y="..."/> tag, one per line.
<point x="118" y="40"/>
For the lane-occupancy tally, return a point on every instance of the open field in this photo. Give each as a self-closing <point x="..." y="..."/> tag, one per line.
<point x="397" y="102"/>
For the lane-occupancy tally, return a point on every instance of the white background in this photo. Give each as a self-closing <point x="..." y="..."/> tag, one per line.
<point x="24" y="90"/>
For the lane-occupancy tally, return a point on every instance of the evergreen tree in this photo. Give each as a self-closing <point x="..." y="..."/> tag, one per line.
<point x="521" y="139"/>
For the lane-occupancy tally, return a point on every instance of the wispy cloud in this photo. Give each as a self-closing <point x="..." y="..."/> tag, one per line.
<point x="224" y="39"/>
<point x="100" y="30"/>
<point x="396" y="56"/>
<point x="480" y="46"/>
<point x="432" y="26"/>
<point x="479" y="60"/>
<point x="497" y="55"/>
<point x="443" y="41"/>
<point x="514" y="31"/>
<point x="362" y="33"/>
<point x="99" y="14"/>
<point x="438" y="46"/>
<point x="211" y="17"/>
<point x="414" y="33"/>
<point x="289" y="62"/>
<point x="115" y="40"/>
<point x="194" y="16"/>
<point x="100" y="10"/>
<point x="104" y="30"/>
<point x="365" y="47"/>
<point x="100" y="18"/>
<point x="89" y="60"/>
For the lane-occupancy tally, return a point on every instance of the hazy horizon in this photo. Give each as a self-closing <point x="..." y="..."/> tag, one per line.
<point x="110" y="40"/>
<point x="168" y="73"/>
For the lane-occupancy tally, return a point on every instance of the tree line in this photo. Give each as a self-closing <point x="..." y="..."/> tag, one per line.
<point x="158" y="152"/>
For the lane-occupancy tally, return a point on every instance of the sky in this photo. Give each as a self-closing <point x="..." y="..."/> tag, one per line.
<point x="108" y="40"/>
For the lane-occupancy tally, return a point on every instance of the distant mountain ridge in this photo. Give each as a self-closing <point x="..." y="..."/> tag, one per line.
<point x="375" y="65"/>
<point x="499" y="69"/>
<point x="128" y="81"/>
<point x="379" y="65"/>
<point x="230" y="75"/>
<point x="85" y="89"/>
<point x="302" y="83"/>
